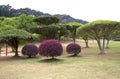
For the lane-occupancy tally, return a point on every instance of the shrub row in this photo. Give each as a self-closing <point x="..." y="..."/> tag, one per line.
<point x="50" y="48"/>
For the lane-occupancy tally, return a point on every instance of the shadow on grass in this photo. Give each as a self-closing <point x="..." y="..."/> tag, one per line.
<point x="13" y="58"/>
<point x="51" y="60"/>
<point x="74" y="56"/>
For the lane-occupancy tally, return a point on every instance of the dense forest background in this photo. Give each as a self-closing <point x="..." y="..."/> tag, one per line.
<point x="8" y="11"/>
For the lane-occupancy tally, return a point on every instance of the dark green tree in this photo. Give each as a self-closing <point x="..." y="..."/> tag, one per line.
<point x="14" y="37"/>
<point x="72" y="27"/>
<point x="49" y="27"/>
<point x="5" y="10"/>
<point x="47" y="20"/>
<point x="48" y="32"/>
<point x="62" y="31"/>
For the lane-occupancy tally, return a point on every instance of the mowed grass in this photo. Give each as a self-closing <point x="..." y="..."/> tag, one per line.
<point x="88" y="65"/>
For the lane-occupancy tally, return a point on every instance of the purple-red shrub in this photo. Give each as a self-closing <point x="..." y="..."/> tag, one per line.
<point x="30" y="50"/>
<point x="73" y="48"/>
<point x="50" y="48"/>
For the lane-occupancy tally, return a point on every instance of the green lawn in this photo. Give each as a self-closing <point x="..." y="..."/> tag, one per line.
<point x="88" y="65"/>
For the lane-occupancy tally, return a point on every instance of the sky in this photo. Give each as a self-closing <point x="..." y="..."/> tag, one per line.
<point x="88" y="10"/>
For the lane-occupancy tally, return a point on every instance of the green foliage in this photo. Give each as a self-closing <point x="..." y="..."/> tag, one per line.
<point x="6" y="27"/>
<point x="83" y="33"/>
<point x="72" y="27"/>
<point x="15" y="33"/>
<point x="62" y="31"/>
<point x="50" y="32"/>
<point x="101" y="29"/>
<point x="47" y="20"/>
<point x="14" y="37"/>
<point x="5" y="10"/>
<point x="4" y="21"/>
<point x="67" y="18"/>
<point x="25" y="22"/>
<point x="116" y="38"/>
<point x="8" y="11"/>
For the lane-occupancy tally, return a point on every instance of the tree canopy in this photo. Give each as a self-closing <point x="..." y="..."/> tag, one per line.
<point x="47" y="20"/>
<point x="83" y="33"/>
<point x="25" y="22"/>
<point x="14" y="36"/>
<point x="101" y="29"/>
<point x="72" y="27"/>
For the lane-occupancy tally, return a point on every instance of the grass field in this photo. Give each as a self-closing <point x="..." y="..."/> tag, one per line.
<point x="88" y="65"/>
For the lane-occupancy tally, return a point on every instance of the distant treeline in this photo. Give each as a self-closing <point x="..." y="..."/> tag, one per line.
<point x="8" y="11"/>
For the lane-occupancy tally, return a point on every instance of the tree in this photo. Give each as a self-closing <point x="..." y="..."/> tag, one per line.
<point x="50" y="48"/>
<point x="51" y="31"/>
<point x="5" y="21"/>
<point x="5" y="10"/>
<point x="47" y="20"/>
<point x="62" y="31"/>
<point x="30" y="50"/>
<point x="25" y="22"/>
<point x="99" y="30"/>
<point x="49" y="28"/>
<point x="83" y="33"/>
<point x="73" y="48"/>
<point x="7" y="24"/>
<point x="111" y="27"/>
<point x="14" y="37"/>
<point x="72" y="27"/>
<point x="48" y="32"/>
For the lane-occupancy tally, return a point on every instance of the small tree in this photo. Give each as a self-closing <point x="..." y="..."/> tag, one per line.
<point x="14" y="37"/>
<point x="30" y="50"/>
<point x="83" y="33"/>
<point x="72" y="27"/>
<point x="62" y="31"/>
<point x="48" y="27"/>
<point x="50" y="48"/>
<point x="73" y="49"/>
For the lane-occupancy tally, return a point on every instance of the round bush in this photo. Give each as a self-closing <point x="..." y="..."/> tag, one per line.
<point x="73" y="49"/>
<point x="50" y="48"/>
<point x="30" y="50"/>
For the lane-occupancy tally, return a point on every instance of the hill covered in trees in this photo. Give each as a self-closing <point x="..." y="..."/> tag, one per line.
<point x="8" y="11"/>
<point x="68" y="18"/>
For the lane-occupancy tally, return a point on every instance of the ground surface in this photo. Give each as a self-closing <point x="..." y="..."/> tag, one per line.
<point x="88" y="65"/>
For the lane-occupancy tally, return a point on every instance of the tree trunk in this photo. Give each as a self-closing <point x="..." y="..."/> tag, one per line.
<point x="29" y="56"/>
<point x="52" y="57"/>
<point x="13" y="50"/>
<point x="107" y="47"/>
<point x="6" y="49"/>
<point x="103" y="47"/>
<point x="74" y="36"/>
<point x="86" y="43"/>
<point x="16" y="48"/>
<point x="59" y="37"/>
<point x="0" y="49"/>
<point x="75" y="54"/>
<point x="99" y="44"/>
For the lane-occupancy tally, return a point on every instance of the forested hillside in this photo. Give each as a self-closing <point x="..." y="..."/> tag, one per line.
<point x="8" y="11"/>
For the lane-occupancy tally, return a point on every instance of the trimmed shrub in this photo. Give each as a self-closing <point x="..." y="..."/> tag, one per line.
<point x="30" y="50"/>
<point x="50" y="48"/>
<point x="73" y="49"/>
